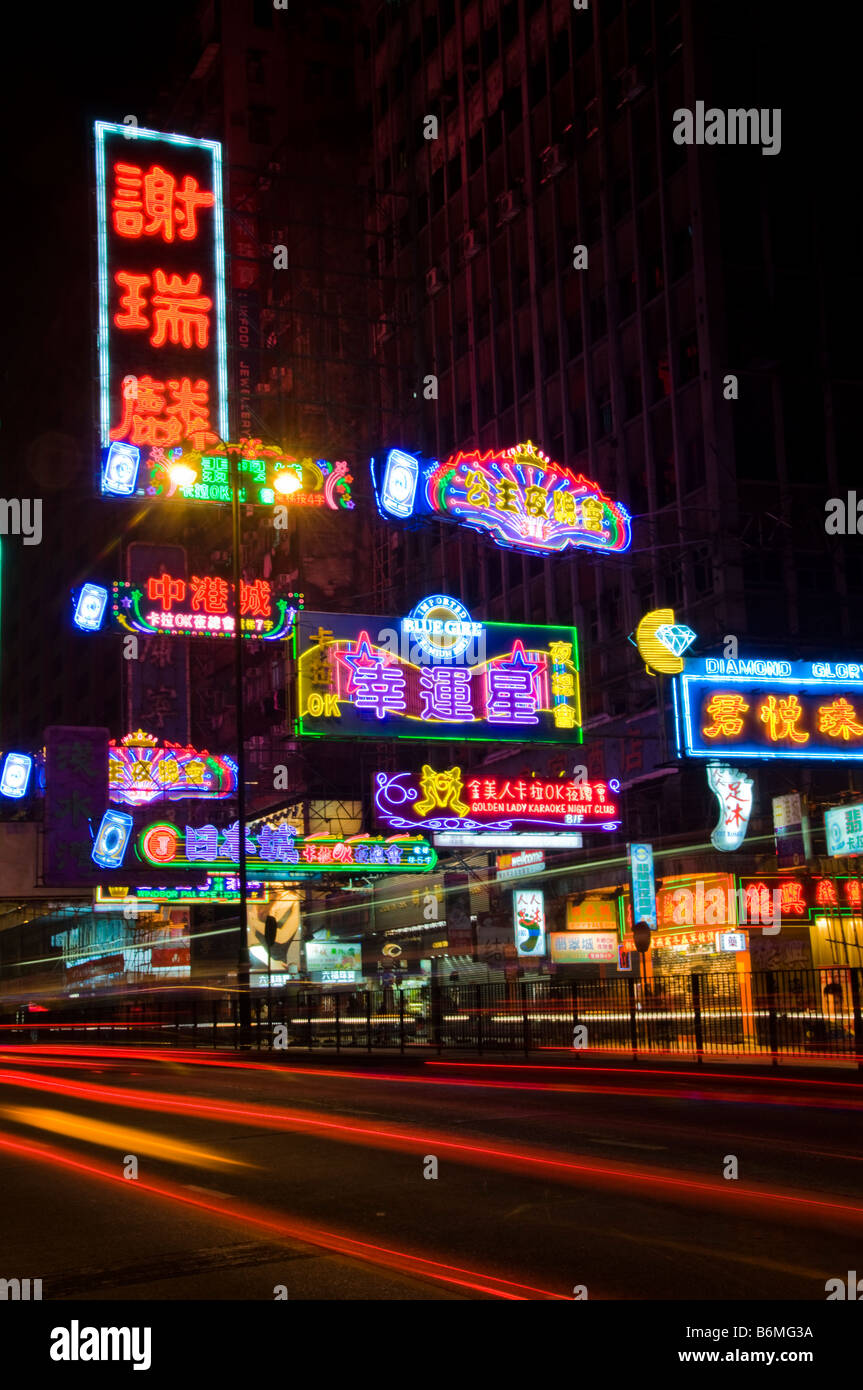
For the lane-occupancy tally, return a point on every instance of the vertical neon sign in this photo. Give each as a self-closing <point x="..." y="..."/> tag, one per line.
<point x="162" y="334"/>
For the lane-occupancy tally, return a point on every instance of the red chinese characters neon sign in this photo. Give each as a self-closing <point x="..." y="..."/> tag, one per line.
<point x="162" y="352"/>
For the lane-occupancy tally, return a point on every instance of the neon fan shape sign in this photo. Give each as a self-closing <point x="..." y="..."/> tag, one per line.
<point x="519" y="496"/>
<point x="142" y="770"/>
<point x="162" y="329"/>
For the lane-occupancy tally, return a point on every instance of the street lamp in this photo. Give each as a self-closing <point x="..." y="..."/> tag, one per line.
<point x="287" y="482"/>
<point x="184" y="475"/>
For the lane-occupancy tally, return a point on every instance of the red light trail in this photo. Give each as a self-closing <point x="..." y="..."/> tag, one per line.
<point x="339" y="1242"/>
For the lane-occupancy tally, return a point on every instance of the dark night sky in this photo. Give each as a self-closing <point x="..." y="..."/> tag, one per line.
<point x="66" y="67"/>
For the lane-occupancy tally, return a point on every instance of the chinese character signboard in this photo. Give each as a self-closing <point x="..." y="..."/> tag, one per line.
<point x="844" y="828"/>
<point x="141" y="770"/>
<point x="436" y="675"/>
<point x="334" y="962"/>
<point x="162" y="322"/>
<point x="684" y="901"/>
<point x="584" y="948"/>
<point x="76" y="794"/>
<point x="277" y="852"/>
<point x="518" y="496"/>
<point x="791" y="830"/>
<point x="267" y="475"/>
<point x="591" y="914"/>
<point x="202" y="606"/>
<point x="528" y="905"/>
<point x="798" y="900"/>
<point x="734" y="792"/>
<point x="643" y="884"/>
<point x="454" y="800"/>
<point x="805" y="710"/>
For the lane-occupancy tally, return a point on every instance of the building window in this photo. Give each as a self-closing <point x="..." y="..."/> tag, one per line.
<point x="437" y="191"/>
<point x="537" y="82"/>
<point x="681" y="252"/>
<point x="632" y="392"/>
<point x="689" y="357"/>
<point x="509" y="22"/>
<point x="511" y="107"/>
<point x="597" y="317"/>
<point x="626" y="294"/>
<point x="702" y="571"/>
<point x="259" y="126"/>
<point x="490" y="45"/>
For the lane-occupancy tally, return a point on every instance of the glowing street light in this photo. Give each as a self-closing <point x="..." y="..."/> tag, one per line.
<point x="182" y="474"/>
<point x="287" y="482"/>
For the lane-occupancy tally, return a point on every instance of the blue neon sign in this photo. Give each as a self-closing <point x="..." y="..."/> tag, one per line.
<point x="643" y="885"/>
<point x="763" y="708"/>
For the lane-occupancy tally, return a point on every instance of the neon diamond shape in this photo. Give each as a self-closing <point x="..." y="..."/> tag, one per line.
<point x="677" y="637"/>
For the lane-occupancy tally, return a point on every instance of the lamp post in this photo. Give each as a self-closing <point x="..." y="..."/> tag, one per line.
<point x="287" y="482"/>
<point x="243" y="980"/>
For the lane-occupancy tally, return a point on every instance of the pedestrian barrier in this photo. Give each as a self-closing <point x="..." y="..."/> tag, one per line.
<point x="773" y="1014"/>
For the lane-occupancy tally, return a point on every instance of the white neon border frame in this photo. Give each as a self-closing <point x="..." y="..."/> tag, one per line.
<point x="101" y="129"/>
<point x="725" y="752"/>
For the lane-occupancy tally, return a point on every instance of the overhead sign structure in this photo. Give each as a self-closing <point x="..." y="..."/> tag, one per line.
<point x="268" y="476"/>
<point x="734" y="792"/>
<point x="502" y="839"/>
<point x="277" y="852"/>
<point x="163" y="377"/>
<point x="436" y="674"/>
<point x="452" y="800"/>
<point x="844" y="827"/>
<point x="518" y="496"/>
<point x="643" y="885"/>
<point x="805" y="710"/>
<point x="528" y="905"/>
<point x="202" y="606"/>
<point x="141" y="770"/>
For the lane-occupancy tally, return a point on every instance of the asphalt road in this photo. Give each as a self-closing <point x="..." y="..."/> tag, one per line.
<point x="315" y="1177"/>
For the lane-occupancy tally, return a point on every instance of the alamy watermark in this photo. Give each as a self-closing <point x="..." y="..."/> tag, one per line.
<point x="22" y="516"/>
<point x="19" y="1290"/>
<point x="716" y="907"/>
<point x="414" y="641"/>
<point x="735" y="127"/>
